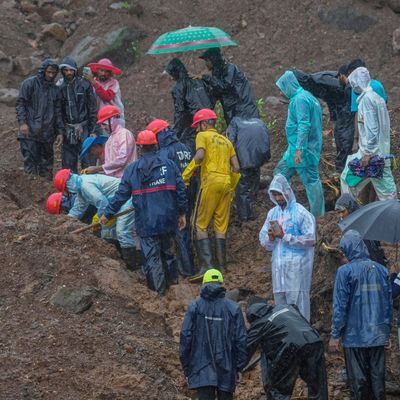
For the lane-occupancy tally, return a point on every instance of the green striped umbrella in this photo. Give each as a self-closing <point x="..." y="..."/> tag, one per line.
<point x="191" y="38"/>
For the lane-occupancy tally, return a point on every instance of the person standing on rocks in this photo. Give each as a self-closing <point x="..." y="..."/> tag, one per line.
<point x="218" y="177"/>
<point x="304" y="136"/>
<point x="178" y="152"/>
<point x="290" y="347"/>
<point x="190" y="96"/>
<point x="374" y="139"/>
<point x="119" y="149"/>
<point x="213" y="341"/>
<point x="229" y="85"/>
<point x="38" y="110"/>
<point x="361" y="318"/>
<point x="250" y="139"/>
<point x="290" y="233"/>
<point x="79" y="113"/>
<point x="159" y="200"/>
<point x="105" y="85"/>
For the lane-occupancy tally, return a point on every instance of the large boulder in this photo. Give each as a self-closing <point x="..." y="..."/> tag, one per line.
<point x="74" y="300"/>
<point x="116" y="45"/>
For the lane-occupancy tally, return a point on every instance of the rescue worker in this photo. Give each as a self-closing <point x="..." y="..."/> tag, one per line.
<point x="330" y="87"/>
<point x="159" y="199"/>
<point x="304" y="136"/>
<point x="79" y="113"/>
<point x="120" y="148"/>
<point x="250" y="139"/>
<point x="290" y="233"/>
<point x="374" y="138"/>
<point x="39" y="117"/>
<point x="178" y="152"/>
<point x="213" y="341"/>
<point x="289" y="346"/>
<point x="98" y="190"/>
<point x="361" y="318"/>
<point x="229" y="85"/>
<point x="345" y="205"/>
<point x="190" y="96"/>
<point x="106" y="86"/>
<point x="218" y="177"/>
<point x="94" y="147"/>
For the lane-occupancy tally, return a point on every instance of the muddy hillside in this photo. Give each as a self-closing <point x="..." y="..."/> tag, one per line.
<point x="75" y="324"/>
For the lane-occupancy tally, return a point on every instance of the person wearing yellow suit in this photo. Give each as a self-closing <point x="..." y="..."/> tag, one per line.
<point x="218" y="178"/>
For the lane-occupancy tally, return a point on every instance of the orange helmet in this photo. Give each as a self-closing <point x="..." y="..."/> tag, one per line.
<point x="53" y="203"/>
<point x="146" y="138"/>
<point x="106" y="113"/>
<point x="157" y="125"/>
<point x="203" y="115"/>
<point x="61" y="178"/>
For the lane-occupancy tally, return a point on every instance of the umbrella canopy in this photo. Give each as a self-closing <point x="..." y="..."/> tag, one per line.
<point x="379" y="220"/>
<point x="191" y="38"/>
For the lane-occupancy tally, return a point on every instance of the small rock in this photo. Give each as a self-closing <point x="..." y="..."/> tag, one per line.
<point x="34" y="17"/>
<point x="243" y="23"/>
<point x="27" y="7"/>
<point x="128" y="348"/>
<point x="61" y="16"/>
<point x="42" y="3"/>
<point x="394" y="5"/>
<point x="90" y="11"/>
<point x="273" y="101"/>
<point x="54" y="30"/>
<point x="117" y="6"/>
<point x="136" y="9"/>
<point x="6" y="63"/>
<point x="396" y="41"/>
<point x="74" y="300"/>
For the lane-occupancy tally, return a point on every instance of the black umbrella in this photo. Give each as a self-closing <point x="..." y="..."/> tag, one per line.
<point x="379" y="220"/>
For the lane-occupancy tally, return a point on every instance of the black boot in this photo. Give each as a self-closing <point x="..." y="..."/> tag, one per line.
<point x="205" y="255"/>
<point x="220" y="250"/>
<point x="129" y="256"/>
<point x="139" y="258"/>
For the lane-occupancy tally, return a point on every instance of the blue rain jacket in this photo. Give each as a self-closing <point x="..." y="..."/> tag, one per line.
<point x="362" y="303"/>
<point x="376" y="86"/>
<point x="303" y="124"/>
<point x="213" y="340"/>
<point x="158" y="194"/>
<point x="173" y="149"/>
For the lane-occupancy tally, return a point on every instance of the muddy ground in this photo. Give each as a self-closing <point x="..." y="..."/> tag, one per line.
<point x="125" y="345"/>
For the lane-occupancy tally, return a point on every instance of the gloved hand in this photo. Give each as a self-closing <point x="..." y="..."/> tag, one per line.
<point x="109" y="224"/>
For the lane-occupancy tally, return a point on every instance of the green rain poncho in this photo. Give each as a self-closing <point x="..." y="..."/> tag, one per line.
<point x="303" y="124"/>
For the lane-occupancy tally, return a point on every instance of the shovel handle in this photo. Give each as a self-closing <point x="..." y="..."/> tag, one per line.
<point x="86" y="228"/>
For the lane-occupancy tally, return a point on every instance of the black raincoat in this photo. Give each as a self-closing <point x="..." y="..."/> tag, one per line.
<point x="190" y="96"/>
<point x="375" y="250"/>
<point x="327" y="87"/>
<point x="290" y="346"/>
<point x="38" y="106"/>
<point x="213" y="340"/>
<point x="230" y="85"/>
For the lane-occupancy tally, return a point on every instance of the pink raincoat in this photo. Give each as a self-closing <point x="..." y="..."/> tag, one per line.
<point x="119" y="150"/>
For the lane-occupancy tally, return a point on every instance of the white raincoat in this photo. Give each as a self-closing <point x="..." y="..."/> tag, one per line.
<point x="293" y="255"/>
<point x="374" y="135"/>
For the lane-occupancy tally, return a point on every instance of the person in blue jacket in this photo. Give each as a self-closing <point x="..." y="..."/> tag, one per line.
<point x="180" y="153"/>
<point x="304" y="136"/>
<point x="361" y="320"/>
<point x="213" y="341"/>
<point x="160" y="203"/>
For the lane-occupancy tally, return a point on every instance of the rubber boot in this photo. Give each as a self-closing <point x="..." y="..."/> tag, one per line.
<point x="220" y="250"/>
<point x="139" y="258"/>
<point x="129" y="256"/>
<point x="205" y="255"/>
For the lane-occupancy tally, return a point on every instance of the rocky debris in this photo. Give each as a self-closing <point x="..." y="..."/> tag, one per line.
<point x="6" y="63"/>
<point x="346" y="17"/>
<point x="90" y="11"/>
<point x="394" y="5"/>
<point x="273" y="101"/>
<point x="28" y="7"/>
<point x="8" y="96"/>
<point x="62" y="16"/>
<point x="119" y="6"/>
<point x="42" y="3"/>
<point x="74" y="300"/>
<point x="54" y="30"/>
<point x="396" y="41"/>
<point x="34" y="17"/>
<point x="26" y="65"/>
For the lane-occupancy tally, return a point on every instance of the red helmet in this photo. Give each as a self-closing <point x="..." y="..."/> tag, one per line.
<point x="157" y="125"/>
<point x="61" y="178"/>
<point x="53" y="203"/>
<point x="203" y="115"/>
<point x="106" y="113"/>
<point x="146" y="138"/>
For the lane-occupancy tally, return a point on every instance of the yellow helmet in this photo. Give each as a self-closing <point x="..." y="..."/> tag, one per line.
<point x="213" y="275"/>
